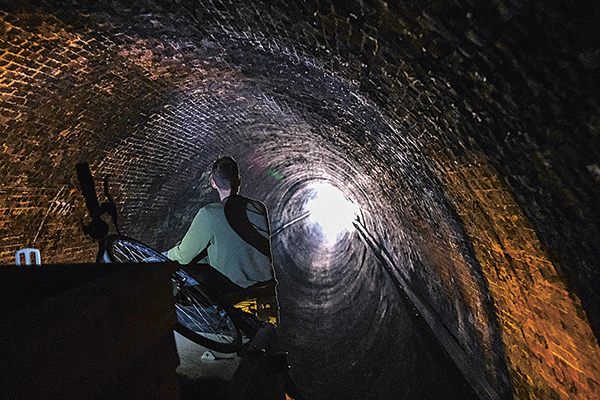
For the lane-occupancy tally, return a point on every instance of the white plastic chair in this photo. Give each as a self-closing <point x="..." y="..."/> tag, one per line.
<point x="27" y="253"/>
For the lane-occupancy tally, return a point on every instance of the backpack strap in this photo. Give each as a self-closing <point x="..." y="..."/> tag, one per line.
<point x="237" y="217"/>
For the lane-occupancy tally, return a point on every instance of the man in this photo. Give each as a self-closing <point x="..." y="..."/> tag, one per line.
<point x="234" y="232"/>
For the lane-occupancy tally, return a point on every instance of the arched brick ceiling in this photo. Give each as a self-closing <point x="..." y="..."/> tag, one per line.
<point x="467" y="134"/>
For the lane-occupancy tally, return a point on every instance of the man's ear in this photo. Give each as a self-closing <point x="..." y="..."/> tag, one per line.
<point x="213" y="184"/>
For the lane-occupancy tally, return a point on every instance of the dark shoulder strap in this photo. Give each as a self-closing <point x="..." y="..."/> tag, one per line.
<point x="237" y="217"/>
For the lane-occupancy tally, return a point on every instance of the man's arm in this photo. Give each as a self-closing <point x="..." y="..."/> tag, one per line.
<point x="195" y="240"/>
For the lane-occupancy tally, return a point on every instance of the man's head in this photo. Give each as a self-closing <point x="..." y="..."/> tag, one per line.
<point x="226" y="174"/>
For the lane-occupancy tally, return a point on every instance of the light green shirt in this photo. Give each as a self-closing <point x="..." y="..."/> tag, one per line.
<point x="228" y="253"/>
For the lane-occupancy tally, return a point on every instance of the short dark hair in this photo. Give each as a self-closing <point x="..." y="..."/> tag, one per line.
<point x="226" y="173"/>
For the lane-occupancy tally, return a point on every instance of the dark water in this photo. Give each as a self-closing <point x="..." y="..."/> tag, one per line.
<point x="350" y="332"/>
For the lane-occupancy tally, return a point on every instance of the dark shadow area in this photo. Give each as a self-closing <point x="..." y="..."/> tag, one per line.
<point x="203" y="389"/>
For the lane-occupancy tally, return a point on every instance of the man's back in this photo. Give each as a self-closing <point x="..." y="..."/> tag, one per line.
<point x="228" y="253"/>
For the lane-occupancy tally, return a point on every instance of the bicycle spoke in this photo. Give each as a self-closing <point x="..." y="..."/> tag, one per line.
<point x="199" y="318"/>
<point x="206" y="320"/>
<point x="128" y="251"/>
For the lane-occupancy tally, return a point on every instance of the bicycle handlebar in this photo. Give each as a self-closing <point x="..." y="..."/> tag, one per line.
<point x="86" y="181"/>
<point x="97" y="228"/>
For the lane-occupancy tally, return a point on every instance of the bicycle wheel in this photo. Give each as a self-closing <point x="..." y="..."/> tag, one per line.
<point x="122" y="249"/>
<point x="201" y="319"/>
<point x="199" y="316"/>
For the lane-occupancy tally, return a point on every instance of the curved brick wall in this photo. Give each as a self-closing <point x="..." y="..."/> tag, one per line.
<point x="468" y="134"/>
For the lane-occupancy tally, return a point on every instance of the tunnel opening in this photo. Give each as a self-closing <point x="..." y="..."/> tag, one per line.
<point x="331" y="211"/>
<point x="445" y="132"/>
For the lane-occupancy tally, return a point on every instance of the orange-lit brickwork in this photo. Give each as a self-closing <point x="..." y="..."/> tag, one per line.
<point x="551" y="350"/>
<point x="43" y="219"/>
<point x="37" y="209"/>
<point x="453" y="289"/>
<point x="62" y="86"/>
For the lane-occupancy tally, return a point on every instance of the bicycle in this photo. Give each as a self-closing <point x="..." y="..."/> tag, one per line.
<point x="203" y="316"/>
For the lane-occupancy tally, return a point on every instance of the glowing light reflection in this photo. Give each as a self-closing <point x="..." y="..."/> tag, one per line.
<point x="333" y="211"/>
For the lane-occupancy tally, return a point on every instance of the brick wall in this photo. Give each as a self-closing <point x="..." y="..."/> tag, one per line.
<point x="474" y="128"/>
<point x="70" y="91"/>
<point x="550" y="347"/>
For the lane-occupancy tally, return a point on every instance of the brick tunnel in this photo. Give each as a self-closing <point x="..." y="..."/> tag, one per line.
<point x="465" y="136"/>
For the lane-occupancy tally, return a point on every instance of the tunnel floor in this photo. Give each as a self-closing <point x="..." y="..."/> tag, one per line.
<point x="385" y="368"/>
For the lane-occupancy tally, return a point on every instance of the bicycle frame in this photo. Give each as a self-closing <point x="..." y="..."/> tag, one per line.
<point x="98" y="230"/>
